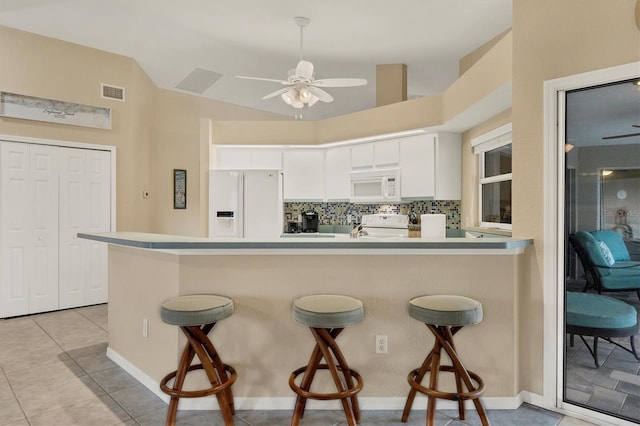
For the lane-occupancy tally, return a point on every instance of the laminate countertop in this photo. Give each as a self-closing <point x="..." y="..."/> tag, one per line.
<point x="330" y="244"/>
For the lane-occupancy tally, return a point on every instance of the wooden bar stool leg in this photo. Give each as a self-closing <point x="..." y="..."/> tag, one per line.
<point x="310" y="371"/>
<point x="448" y="335"/>
<point x="215" y="359"/>
<point x="433" y="383"/>
<point x="333" y="369"/>
<point x="343" y="366"/>
<point x="460" y="369"/>
<point x="419" y="375"/>
<point x="198" y="345"/>
<point x="181" y="373"/>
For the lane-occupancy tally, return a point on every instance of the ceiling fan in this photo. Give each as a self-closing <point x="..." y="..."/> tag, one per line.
<point x="301" y="86"/>
<point x="628" y="135"/>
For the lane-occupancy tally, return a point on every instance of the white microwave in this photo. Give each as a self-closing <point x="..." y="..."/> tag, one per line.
<point x="375" y="186"/>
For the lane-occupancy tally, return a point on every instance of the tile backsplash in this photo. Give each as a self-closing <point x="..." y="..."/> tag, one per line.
<point x="335" y="213"/>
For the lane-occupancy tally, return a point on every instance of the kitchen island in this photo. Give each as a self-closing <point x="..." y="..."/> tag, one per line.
<point x="263" y="342"/>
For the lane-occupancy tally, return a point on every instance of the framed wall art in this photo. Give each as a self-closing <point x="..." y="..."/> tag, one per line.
<point x="14" y="105"/>
<point x="179" y="189"/>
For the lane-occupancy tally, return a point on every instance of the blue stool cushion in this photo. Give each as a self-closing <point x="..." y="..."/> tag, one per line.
<point x="327" y="311"/>
<point x="448" y="310"/>
<point x="196" y="309"/>
<point x="596" y="311"/>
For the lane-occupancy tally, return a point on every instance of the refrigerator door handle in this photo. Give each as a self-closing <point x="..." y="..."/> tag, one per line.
<point x="241" y="203"/>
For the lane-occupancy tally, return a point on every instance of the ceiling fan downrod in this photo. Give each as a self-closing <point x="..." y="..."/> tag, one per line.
<point x="302" y="22"/>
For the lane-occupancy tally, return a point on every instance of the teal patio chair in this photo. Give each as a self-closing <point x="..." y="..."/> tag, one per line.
<point x="606" y="261"/>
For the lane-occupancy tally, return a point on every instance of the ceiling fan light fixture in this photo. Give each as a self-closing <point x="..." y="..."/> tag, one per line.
<point x="304" y="94"/>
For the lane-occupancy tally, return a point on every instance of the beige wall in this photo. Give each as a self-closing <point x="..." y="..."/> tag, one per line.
<point x="154" y="131"/>
<point x="469" y="215"/>
<point x="552" y="39"/>
<point x="264" y="343"/>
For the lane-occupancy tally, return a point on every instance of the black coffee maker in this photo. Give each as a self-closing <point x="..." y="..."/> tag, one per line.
<point x="309" y="221"/>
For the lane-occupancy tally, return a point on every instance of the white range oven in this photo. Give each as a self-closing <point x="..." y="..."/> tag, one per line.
<point x="385" y="225"/>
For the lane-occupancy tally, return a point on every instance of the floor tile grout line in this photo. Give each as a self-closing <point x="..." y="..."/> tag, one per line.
<point x="15" y="395"/>
<point x="79" y="366"/>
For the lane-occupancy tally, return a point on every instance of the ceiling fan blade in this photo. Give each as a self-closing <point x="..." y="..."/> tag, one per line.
<point x="305" y="69"/>
<point x="635" y="125"/>
<point x="630" y="135"/>
<point x="276" y="93"/>
<point x="313" y="100"/>
<point x="339" y="82"/>
<point x="262" y="79"/>
<point x="320" y="94"/>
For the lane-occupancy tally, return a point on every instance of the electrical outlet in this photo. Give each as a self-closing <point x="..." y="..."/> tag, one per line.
<point x="145" y="328"/>
<point x="381" y="344"/>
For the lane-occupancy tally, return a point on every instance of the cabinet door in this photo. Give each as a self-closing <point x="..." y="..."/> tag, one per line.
<point x="303" y="174"/>
<point x="417" y="164"/>
<point x="362" y="156"/>
<point x="233" y="158"/>
<point x="85" y="198"/>
<point x="386" y="153"/>
<point x="337" y="169"/>
<point x="266" y="159"/>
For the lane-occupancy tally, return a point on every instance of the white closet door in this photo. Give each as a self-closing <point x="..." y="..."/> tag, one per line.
<point x="43" y="286"/>
<point x="15" y="244"/>
<point x="85" y="195"/>
<point x="99" y="220"/>
<point x="29" y="229"/>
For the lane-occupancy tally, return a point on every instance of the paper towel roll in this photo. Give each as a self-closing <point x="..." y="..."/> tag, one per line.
<point x="433" y="226"/>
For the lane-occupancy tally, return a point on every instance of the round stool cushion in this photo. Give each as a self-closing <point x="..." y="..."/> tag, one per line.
<point x="448" y="310"/>
<point x="327" y="311"/>
<point x="596" y="311"/>
<point x="196" y="309"/>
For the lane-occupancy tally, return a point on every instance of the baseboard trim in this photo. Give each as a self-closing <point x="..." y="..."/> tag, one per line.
<point x="287" y="403"/>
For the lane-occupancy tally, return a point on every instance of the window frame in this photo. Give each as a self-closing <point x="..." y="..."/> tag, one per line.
<point x="489" y="141"/>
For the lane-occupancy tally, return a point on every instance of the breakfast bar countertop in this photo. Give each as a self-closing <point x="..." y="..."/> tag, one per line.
<point x="334" y="244"/>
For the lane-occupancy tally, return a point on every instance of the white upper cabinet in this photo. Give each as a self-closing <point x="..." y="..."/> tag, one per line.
<point x="431" y="166"/>
<point x="386" y="153"/>
<point x="337" y="173"/>
<point x="362" y="156"/>
<point x="248" y="158"/>
<point x="417" y="159"/>
<point x="375" y="154"/>
<point x="303" y="174"/>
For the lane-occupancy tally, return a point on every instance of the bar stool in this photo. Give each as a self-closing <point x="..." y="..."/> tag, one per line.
<point x="327" y="315"/>
<point x="444" y="316"/>
<point x="196" y="315"/>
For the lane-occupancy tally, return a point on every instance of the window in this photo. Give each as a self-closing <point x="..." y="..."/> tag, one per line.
<point x="494" y="189"/>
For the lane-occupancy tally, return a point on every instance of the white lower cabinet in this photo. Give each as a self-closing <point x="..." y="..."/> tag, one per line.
<point x="47" y="195"/>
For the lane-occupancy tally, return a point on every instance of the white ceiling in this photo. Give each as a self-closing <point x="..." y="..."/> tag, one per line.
<point x="169" y="39"/>
<point x="603" y="111"/>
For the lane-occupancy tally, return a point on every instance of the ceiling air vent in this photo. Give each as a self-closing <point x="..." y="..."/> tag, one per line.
<point x="112" y="92"/>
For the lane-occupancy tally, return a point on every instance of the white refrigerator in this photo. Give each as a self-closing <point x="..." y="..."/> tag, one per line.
<point x="245" y="203"/>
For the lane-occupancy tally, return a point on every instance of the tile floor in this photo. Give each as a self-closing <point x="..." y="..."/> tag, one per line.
<point x="53" y="371"/>
<point x="615" y="386"/>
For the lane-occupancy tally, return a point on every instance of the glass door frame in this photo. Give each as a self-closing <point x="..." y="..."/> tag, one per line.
<point x="554" y="230"/>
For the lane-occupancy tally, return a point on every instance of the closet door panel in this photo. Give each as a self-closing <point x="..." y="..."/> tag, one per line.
<point x="99" y="220"/>
<point x="43" y="287"/>
<point x="73" y="217"/>
<point x="16" y="241"/>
